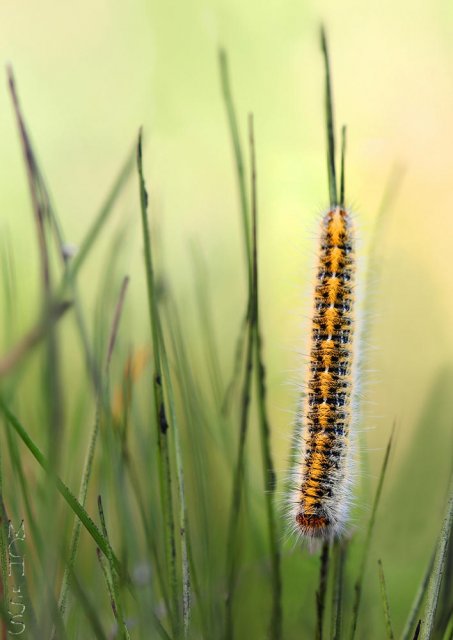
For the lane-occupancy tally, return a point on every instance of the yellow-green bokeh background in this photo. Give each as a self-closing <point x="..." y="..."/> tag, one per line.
<point x="90" y="73"/>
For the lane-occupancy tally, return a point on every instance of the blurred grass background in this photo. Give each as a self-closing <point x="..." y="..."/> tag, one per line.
<point x="90" y="74"/>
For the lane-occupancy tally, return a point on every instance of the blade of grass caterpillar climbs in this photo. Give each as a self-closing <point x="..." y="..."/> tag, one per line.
<point x="435" y="581"/>
<point x="72" y="501"/>
<point x="322" y="589"/>
<point x="412" y="617"/>
<point x="368" y="537"/>
<point x="260" y="379"/>
<point x="330" y="124"/>
<point x="342" y="170"/>
<point x="339" y="558"/>
<point x="166" y="490"/>
<point x="385" y="602"/>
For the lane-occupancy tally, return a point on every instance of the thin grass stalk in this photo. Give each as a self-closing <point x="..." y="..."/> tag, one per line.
<point x="367" y="544"/>
<point x="149" y="535"/>
<point x="113" y="583"/>
<point x="159" y="407"/>
<point x="183" y="517"/>
<point x="322" y="590"/>
<point x="438" y="570"/>
<point x="261" y="391"/>
<point x="419" y="596"/>
<point x="194" y="411"/>
<point x="339" y="557"/>
<point x="244" y="210"/>
<point x="207" y="326"/>
<point x="385" y="602"/>
<point x="330" y="129"/>
<point x="231" y="571"/>
<point x="65" y="492"/>
<point x="89" y="457"/>
<point x="52" y="376"/>
<point x="101" y="218"/>
<point x="238" y="156"/>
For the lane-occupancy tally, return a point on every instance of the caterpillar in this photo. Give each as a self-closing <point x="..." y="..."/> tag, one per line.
<point x="322" y="477"/>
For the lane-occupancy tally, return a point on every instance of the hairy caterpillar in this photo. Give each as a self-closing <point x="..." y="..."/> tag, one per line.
<point x="320" y="492"/>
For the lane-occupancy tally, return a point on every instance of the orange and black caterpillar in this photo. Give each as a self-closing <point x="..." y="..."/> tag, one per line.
<point x="320" y="493"/>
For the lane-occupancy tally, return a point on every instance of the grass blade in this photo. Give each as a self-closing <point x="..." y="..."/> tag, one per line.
<point x="183" y="519"/>
<point x="266" y="455"/>
<point x="385" y="602"/>
<point x="438" y="570"/>
<point x="159" y="404"/>
<point x="89" y="457"/>
<point x="100" y="220"/>
<point x="369" y="534"/>
<point x="322" y="590"/>
<point x="330" y="124"/>
<point x="62" y="488"/>
<point x="113" y="583"/>
<point x="339" y="557"/>
<point x="238" y="157"/>
<point x="412" y="617"/>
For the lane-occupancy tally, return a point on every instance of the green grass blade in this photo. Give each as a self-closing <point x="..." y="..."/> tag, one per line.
<point x="89" y="457"/>
<point x="113" y="584"/>
<point x="339" y="558"/>
<point x="183" y="518"/>
<point x="342" y="172"/>
<point x="385" y="602"/>
<point x="329" y="123"/>
<point x="100" y="219"/>
<point x="322" y="590"/>
<point x="238" y="156"/>
<point x="438" y="570"/>
<point x="238" y="477"/>
<point x="412" y="617"/>
<point x="266" y="455"/>
<point x="159" y="405"/>
<point x="366" y="548"/>
<point x="62" y="488"/>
